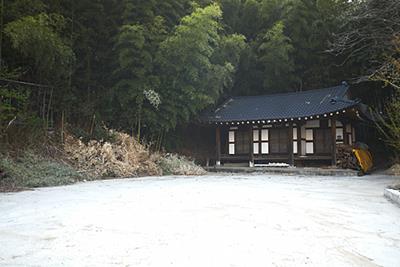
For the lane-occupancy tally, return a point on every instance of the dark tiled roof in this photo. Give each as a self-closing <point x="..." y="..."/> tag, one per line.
<point x="283" y="106"/>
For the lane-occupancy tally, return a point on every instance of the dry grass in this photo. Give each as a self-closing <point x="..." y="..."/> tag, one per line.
<point x="394" y="170"/>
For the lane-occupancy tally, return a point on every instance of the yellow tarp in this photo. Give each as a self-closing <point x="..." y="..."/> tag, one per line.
<point x="364" y="158"/>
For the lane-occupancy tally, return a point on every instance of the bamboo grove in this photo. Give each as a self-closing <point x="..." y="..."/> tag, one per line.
<point x="148" y="66"/>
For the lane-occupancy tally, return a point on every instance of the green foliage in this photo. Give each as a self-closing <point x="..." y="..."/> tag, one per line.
<point x="12" y="103"/>
<point x="37" y="39"/>
<point x="21" y="8"/>
<point x="274" y="54"/>
<point x="130" y="43"/>
<point x="249" y="21"/>
<point x="195" y="71"/>
<point x="134" y="91"/>
<point x="310" y="24"/>
<point x="308" y="28"/>
<point x="230" y="49"/>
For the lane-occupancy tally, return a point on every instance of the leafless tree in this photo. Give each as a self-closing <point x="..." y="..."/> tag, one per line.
<point x="367" y="33"/>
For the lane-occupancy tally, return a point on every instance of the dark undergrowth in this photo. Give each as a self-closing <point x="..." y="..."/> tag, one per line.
<point x="31" y="157"/>
<point x="29" y="169"/>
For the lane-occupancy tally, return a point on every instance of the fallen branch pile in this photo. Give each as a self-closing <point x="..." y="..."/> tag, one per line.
<point x="124" y="157"/>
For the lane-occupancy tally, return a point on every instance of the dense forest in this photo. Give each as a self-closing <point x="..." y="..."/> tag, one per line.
<point x="148" y="67"/>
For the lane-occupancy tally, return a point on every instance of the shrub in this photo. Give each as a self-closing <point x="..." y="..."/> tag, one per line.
<point x="172" y="164"/>
<point x="32" y="170"/>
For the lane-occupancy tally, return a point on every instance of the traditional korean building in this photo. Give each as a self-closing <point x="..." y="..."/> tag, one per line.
<point x="295" y="128"/>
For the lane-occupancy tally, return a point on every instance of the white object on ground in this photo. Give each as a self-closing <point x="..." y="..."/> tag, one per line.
<point x="273" y="165"/>
<point x="238" y="220"/>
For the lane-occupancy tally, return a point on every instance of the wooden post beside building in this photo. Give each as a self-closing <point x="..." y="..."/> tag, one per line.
<point x="299" y="147"/>
<point x="218" y="145"/>
<point x="346" y="134"/>
<point x="333" y="127"/>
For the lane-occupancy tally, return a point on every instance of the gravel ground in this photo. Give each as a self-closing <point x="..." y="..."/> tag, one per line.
<point x="216" y="220"/>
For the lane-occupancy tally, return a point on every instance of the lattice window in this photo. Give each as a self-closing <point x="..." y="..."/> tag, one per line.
<point x="309" y="141"/>
<point x="231" y="142"/>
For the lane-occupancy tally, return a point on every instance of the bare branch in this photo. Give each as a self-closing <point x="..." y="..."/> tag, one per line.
<point x="368" y="31"/>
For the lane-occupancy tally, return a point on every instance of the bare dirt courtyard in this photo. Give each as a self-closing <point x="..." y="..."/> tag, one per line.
<point x="221" y="220"/>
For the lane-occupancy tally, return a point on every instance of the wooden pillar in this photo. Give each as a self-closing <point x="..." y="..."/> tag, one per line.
<point x="299" y="146"/>
<point x="346" y="134"/>
<point x="218" y="145"/>
<point x="251" y="147"/>
<point x="333" y="128"/>
<point x="290" y="145"/>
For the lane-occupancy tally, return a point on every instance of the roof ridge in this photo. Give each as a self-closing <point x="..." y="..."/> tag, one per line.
<point x="291" y="93"/>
